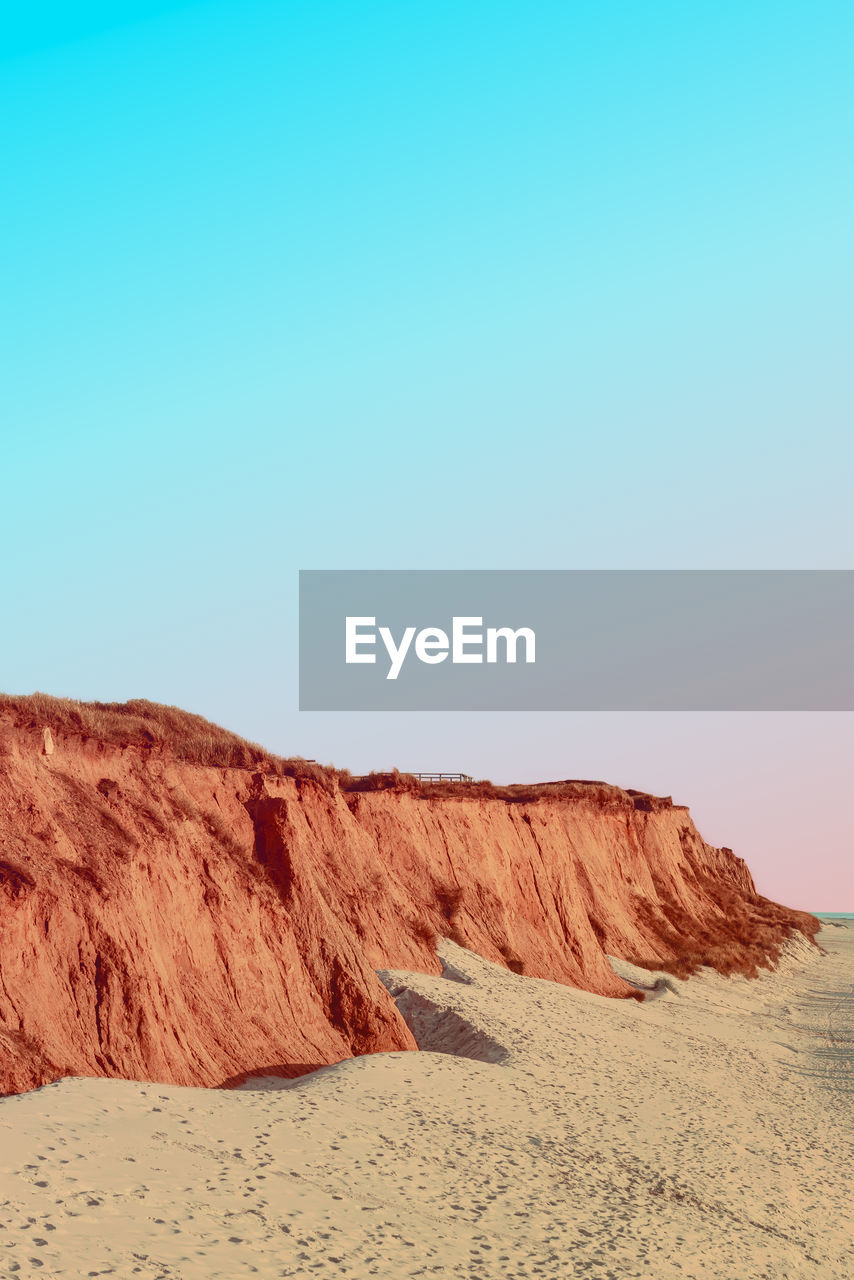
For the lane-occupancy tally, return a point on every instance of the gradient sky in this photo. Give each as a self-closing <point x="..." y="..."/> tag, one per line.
<point x="427" y="286"/>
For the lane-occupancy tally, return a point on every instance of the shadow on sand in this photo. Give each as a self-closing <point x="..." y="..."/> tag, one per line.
<point x="285" y="1072"/>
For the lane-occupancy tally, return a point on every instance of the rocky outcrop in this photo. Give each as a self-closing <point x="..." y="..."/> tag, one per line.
<point x="165" y="920"/>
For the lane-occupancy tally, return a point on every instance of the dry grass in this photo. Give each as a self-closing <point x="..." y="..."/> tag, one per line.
<point x="747" y="936"/>
<point x="155" y="727"/>
<point x="402" y="783"/>
<point x="194" y="740"/>
<point x="423" y="930"/>
<point x="449" y="898"/>
<point x="516" y="793"/>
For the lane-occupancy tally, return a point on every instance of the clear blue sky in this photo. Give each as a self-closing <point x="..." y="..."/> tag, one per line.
<point x="425" y="285"/>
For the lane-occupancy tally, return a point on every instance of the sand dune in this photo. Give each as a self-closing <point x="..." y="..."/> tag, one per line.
<point x="542" y="1131"/>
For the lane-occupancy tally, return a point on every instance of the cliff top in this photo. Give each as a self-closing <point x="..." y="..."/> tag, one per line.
<point x="190" y="738"/>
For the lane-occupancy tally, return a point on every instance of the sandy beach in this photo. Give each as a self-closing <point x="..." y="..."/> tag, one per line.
<point x="542" y="1131"/>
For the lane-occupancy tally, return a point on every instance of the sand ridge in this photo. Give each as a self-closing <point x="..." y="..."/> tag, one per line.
<point x="693" y="1137"/>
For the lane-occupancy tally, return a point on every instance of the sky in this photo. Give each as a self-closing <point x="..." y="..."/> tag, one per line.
<point x="490" y="286"/>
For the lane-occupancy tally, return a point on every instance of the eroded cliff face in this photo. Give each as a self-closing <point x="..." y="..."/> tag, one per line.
<point x="165" y="921"/>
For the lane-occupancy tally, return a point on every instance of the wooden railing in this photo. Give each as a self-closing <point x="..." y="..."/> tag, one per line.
<point x="422" y="777"/>
<point x="443" y="777"/>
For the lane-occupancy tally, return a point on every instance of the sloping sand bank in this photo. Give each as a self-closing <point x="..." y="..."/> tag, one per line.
<point x="698" y="1137"/>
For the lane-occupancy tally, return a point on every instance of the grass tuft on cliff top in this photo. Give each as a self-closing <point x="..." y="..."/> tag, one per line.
<point x="152" y="725"/>
<point x="195" y="740"/>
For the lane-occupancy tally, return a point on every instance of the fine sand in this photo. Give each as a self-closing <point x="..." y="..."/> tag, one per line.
<point x="543" y="1131"/>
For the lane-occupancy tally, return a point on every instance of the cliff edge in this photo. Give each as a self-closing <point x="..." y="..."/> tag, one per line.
<point x="177" y="905"/>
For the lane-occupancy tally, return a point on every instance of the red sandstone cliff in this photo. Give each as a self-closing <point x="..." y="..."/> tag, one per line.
<point x="166" y="920"/>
